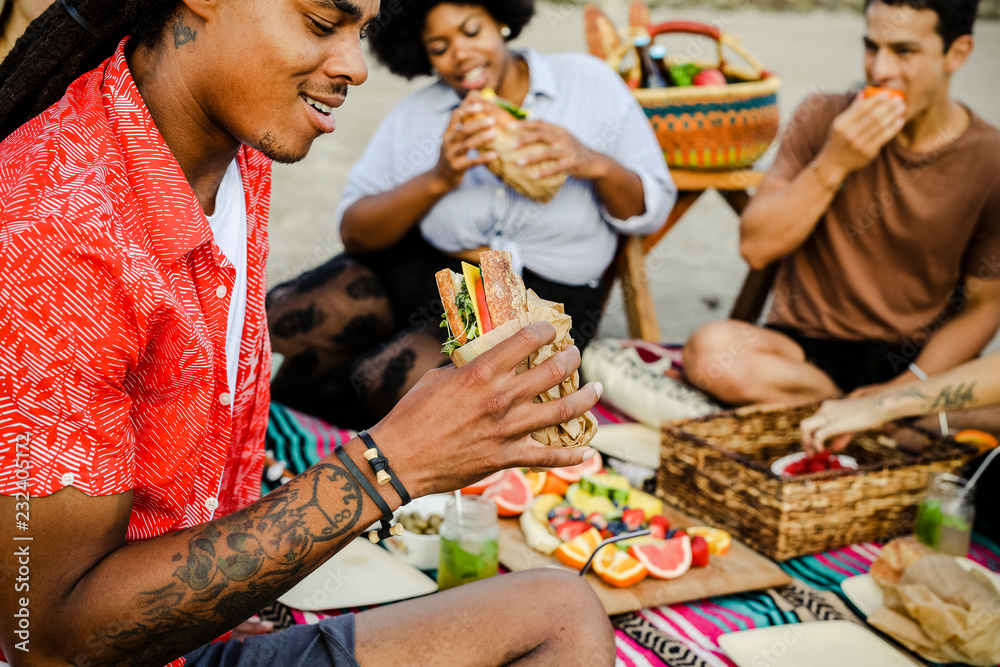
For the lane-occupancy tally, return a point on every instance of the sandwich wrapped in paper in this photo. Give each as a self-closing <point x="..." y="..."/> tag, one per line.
<point x="936" y="608"/>
<point x="486" y="305"/>
<point x="524" y="179"/>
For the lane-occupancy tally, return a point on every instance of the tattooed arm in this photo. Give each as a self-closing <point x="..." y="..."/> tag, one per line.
<point x="973" y="384"/>
<point x="95" y="600"/>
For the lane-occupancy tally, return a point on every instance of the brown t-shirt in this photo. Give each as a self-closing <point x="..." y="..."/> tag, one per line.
<point x="901" y="234"/>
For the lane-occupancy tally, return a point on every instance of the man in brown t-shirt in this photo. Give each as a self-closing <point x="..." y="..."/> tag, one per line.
<point x="885" y="216"/>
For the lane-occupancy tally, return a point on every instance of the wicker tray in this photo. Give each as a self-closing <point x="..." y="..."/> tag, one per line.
<point x="718" y="468"/>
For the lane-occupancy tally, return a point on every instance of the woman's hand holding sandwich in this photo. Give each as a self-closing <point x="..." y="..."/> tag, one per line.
<point x="620" y="189"/>
<point x="468" y="129"/>
<point x="459" y="425"/>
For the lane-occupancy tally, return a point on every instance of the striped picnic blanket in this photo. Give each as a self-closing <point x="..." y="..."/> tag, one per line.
<point x="675" y="635"/>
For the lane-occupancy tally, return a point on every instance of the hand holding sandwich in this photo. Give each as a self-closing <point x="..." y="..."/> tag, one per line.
<point x="459" y="425"/>
<point x="566" y="154"/>
<point x="469" y="129"/>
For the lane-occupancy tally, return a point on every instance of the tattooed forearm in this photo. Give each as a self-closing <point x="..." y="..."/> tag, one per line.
<point x="233" y="567"/>
<point x="182" y="33"/>
<point x="895" y="397"/>
<point x="955" y="397"/>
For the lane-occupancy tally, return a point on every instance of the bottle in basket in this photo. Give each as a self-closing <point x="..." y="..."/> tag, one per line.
<point x="651" y="77"/>
<point x="658" y="53"/>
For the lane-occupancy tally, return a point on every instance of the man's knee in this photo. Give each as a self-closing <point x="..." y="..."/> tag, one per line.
<point x="713" y="351"/>
<point x="577" y="606"/>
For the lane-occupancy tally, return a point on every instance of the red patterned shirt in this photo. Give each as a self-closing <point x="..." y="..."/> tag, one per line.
<point x="113" y="316"/>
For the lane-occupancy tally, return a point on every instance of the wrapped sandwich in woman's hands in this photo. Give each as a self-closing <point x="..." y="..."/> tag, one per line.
<point x="487" y="304"/>
<point x="525" y="179"/>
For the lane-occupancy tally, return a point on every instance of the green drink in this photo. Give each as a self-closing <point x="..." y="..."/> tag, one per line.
<point x="469" y="542"/>
<point x="464" y="562"/>
<point x="945" y="516"/>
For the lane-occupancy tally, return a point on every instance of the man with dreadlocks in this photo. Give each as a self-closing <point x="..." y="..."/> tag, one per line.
<point x="134" y="362"/>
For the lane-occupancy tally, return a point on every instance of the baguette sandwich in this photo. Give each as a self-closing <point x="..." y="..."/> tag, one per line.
<point x="480" y="299"/>
<point x="523" y="179"/>
<point x="485" y="305"/>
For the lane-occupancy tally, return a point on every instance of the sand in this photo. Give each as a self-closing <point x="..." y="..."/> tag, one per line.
<point x="697" y="270"/>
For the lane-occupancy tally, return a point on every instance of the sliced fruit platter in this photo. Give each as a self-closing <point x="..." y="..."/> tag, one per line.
<point x="568" y="513"/>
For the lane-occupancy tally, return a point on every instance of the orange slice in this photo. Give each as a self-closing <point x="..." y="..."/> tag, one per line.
<point x="576" y="552"/>
<point x="556" y="485"/>
<point x="536" y="480"/>
<point x="617" y="568"/>
<point x="979" y="439"/>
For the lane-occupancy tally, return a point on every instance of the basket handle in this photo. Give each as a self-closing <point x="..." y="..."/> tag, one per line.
<point x="691" y="27"/>
<point x="721" y="38"/>
<point x="686" y="26"/>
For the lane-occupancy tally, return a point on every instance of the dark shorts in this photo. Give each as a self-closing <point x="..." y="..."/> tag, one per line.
<point x="406" y="271"/>
<point x="852" y="364"/>
<point x="329" y="643"/>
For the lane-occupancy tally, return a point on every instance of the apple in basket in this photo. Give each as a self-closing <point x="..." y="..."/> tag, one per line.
<point x="710" y="77"/>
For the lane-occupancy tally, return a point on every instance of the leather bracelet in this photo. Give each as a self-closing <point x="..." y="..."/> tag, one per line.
<point x="380" y="465"/>
<point x="387" y="529"/>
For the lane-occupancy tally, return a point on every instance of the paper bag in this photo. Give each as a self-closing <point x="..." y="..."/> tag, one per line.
<point x="943" y="612"/>
<point x="574" y="433"/>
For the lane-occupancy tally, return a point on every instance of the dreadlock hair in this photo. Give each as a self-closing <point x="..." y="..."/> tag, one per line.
<point x="395" y="34"/>
<point x="955" y="17"/>
<point x="54" y="50"/>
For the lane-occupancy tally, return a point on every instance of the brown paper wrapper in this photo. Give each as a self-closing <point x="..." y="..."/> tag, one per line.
<point x="524" y="180"/>
<point x="574" y="433"/>
<point x="943" y="612"/>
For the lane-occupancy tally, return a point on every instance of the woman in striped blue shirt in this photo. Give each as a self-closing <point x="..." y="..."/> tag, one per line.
<point x="360" y="330"/>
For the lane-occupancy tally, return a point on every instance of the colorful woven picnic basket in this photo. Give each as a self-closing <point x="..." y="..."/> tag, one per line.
<point x="711" y="127"/>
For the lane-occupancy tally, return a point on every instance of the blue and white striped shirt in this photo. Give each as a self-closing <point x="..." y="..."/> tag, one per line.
<point x="571" y="239"/>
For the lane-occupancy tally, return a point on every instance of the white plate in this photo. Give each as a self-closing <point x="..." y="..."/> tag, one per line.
<point x="817" y="644"/>
<point x="865" y="594"/>
<point x="421" y="551"/>
<point x="778" y="467"/>
<point x="635" y="443"/>
<point x="360" y="574"/>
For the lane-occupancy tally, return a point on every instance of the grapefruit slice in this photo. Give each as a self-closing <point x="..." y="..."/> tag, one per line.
<point x="576" y="552"/>
<point x="668" y="559"/>
<point x="483" y="484"/>
<point x="511" y="493"/>
<point x="576" y="473"/>
<point x="617" y="568"/>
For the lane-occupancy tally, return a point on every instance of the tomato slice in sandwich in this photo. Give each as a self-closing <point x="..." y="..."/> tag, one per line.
<point x="474" y="283"/>
<point x="484" y="313"/>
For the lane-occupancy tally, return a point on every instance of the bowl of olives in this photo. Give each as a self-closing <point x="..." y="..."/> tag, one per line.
<point x="420" y="544"/>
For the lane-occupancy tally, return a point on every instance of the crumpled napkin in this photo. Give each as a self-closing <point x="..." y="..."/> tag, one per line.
<point x="943" y="612"/>
<point x="576" y="432"/>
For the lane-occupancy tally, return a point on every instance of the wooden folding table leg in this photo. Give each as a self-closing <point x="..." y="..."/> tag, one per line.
<point x="639" y="307"/>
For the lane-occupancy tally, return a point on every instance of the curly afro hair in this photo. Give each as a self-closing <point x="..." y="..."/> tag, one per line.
<point x="395" y="35"/>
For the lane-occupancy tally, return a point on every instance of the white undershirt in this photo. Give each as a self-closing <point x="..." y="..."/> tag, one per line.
<point x="229" y="226"/>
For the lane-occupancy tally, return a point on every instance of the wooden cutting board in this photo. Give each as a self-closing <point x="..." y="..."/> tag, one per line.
<point x="742" y="569"/>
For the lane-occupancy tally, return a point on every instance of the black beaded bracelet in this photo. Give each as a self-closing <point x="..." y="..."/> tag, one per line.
<point x="387" y="529"/>
<point x="379" y="464"/>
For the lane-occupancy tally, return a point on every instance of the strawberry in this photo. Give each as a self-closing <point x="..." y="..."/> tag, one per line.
<point x="699" y="551"/>
<point x="633" y="518"/>
<point x="570" y="529"/>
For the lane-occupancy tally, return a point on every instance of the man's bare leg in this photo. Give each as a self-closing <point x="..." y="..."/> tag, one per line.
<point x="539" y="617"/>
<point x="742" y="364"/>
